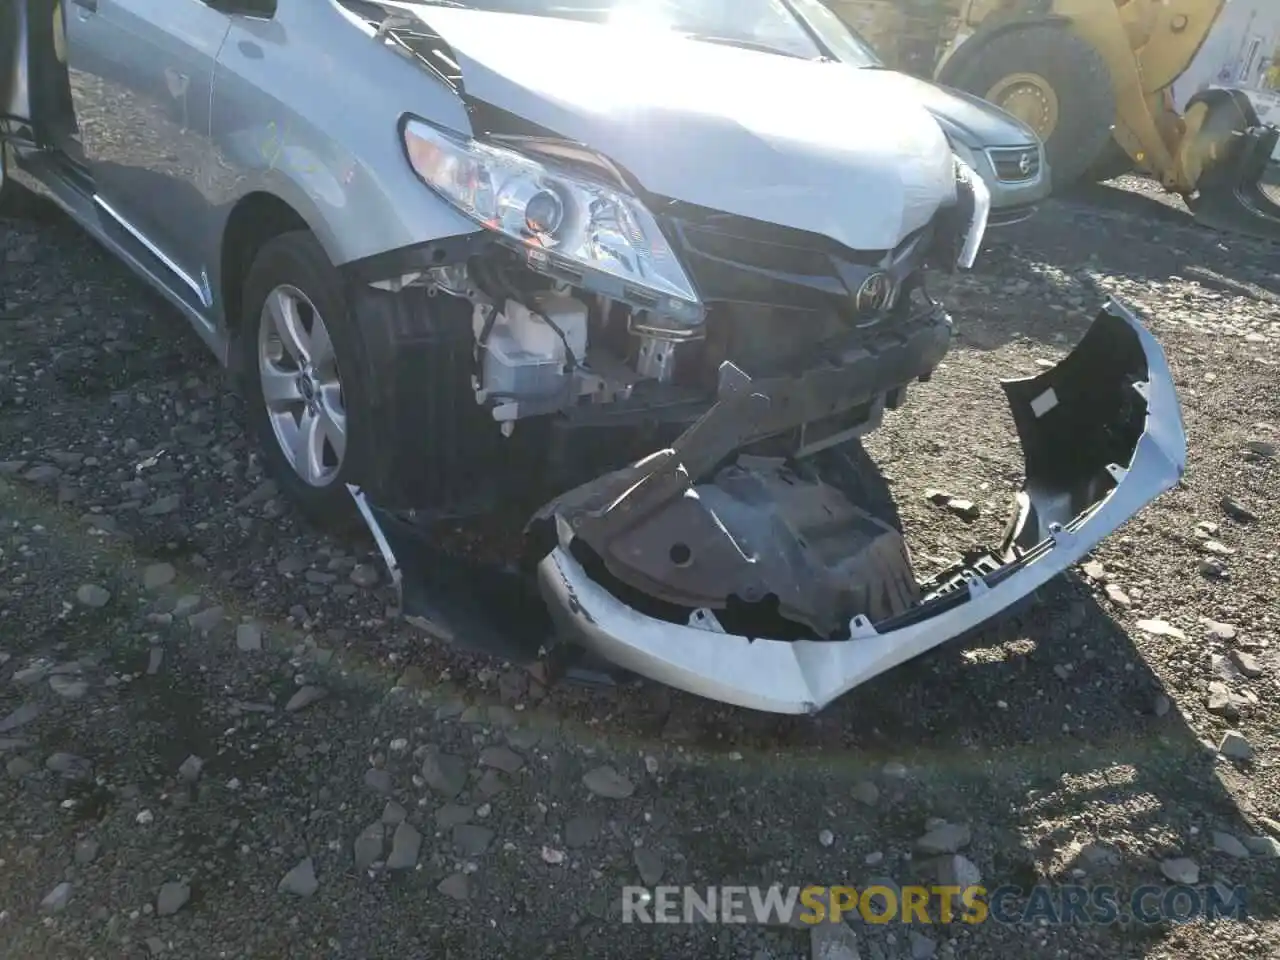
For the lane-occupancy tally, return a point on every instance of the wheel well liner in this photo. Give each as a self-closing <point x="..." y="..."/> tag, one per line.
<point x="255" y="219"/>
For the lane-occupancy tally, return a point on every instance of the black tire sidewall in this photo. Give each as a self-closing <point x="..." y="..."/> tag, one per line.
<point x="1078" y="75"/>
<point x="16" y="201"/>
<point x="298" y="259"/>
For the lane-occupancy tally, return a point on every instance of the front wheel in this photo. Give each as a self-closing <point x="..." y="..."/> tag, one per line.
<point x="302" y="377"/>
<point x="16" y="201"/>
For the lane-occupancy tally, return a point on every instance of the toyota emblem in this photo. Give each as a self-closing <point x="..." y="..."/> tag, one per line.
<point x="1024" y="164"/>
<point x="875" y="294"/>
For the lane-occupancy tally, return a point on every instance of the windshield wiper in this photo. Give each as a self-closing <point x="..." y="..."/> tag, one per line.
<point x="756" y="45"/>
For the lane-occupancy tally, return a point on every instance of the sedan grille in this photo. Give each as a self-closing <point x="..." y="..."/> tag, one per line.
<point x="1015" y="164"/>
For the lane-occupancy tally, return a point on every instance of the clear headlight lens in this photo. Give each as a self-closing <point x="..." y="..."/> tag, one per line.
<point x="555" y="216"/>
<point x="981" y="212"/>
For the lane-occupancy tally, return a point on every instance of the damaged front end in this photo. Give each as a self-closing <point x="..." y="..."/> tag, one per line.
<point x="770" y="583"/>
<point x="1101" y="435"/>
<point x="667" y="399"/>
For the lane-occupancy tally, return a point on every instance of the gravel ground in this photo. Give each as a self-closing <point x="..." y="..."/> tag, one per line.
<point x="218" y="742"/>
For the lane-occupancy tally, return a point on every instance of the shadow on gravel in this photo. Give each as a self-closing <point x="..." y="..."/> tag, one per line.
<point x="1046" y="725"/>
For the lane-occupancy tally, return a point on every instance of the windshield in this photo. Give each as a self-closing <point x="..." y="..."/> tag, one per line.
<point x="767" y="25"/>
<point x="842" y="40"/>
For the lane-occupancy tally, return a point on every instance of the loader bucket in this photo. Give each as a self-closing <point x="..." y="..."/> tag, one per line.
<point x="1229" y="195"/>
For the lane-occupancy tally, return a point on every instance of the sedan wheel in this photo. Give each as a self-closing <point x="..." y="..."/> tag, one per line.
<point x="301" y="385"/>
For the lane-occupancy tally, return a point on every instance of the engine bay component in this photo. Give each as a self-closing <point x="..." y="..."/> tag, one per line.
<point x="530" y="351"/>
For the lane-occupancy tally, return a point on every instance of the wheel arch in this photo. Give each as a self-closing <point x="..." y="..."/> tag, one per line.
<point x="253" y="220"/>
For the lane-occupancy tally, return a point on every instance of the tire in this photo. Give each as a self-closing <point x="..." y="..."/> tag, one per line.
<point x="16" y="201"/>
<point x="1112" y="162"/>
<point x="294" y="265"/>
<point x="1079" y="79"/>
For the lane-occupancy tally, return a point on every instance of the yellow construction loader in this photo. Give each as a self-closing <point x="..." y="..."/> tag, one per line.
<point x="1094" y="78"/>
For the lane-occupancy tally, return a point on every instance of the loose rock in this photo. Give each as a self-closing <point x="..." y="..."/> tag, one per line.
<point x="69" y="766"/>
<point x="552" y="856"/>
<point x="364" y="575"/>
<point x="393" y="813"/>
<point x="455" y="886"/>
<point x="945" y="838"/>
<point x="833" y="941"/>
<point x="501" y="758"/>
<point x="922" y="948"/>
<point x="1219" y="631"/>
<point x="19" y="717"/>
<point x="1238" y="511"/>
<point x="608" y="782"/>
<point x="866" y="792"/>
<point x="965" y="509"/>
<point x="158" y="575"/>
<point x="19" y="767"/>
<point x="1235" y="746"/>
<point x="452" y="814"/>
<point x="471" y="840"/>
<point x="958" y="870"/>
<point x="1161" y="628"/>
<point x="190" y="768"/>
<point x="207" y="621"/>
<point x="378" y="780"/>
<point x="304" y="697"/>
<point x="405" y="844"/>
<point x="1265" y="847"/>
<point x="649" y="864"/>
<point x="301" y="880"/>
<point x="1223" y="701"/>
<point x="69" y="688"/>
<point x="249" y="637"/>
<point x="93" y="596"/>
<point x="1247" y="663"/>
<point x="367" y="848"/>
<point x="1117" y="596"/>
<point x="1224" y="842"/>
<point x="86" y="852"/>
<point x="172" y="897"/>
<point x="444" y="773"/>
<point x="1182" y="870"/>
<point x="57" y="899"/>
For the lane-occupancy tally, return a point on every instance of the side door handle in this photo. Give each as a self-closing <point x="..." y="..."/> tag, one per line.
<point x="90" y="5"/>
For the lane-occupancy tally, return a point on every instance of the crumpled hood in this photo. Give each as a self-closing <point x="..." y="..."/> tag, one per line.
<point x="980" y="123"/>
<point x="814" y="146"/>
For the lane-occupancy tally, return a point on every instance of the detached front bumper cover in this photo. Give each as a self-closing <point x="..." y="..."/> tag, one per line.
<point x="1102" y="437"/>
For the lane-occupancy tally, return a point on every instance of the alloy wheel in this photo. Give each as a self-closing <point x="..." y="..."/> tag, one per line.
<point x="301" y="385"/>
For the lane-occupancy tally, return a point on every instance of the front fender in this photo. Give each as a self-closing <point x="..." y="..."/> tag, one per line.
<point x="306" y="108"/>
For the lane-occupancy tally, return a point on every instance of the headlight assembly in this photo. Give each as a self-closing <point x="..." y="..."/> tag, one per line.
<point x="558" y="218"/>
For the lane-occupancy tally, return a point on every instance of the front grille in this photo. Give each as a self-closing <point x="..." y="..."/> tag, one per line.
<point x="1015" y="164"/>
<point x="737" y="259"/>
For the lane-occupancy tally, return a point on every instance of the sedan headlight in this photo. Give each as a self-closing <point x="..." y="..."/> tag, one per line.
<point x="560" y="219"/>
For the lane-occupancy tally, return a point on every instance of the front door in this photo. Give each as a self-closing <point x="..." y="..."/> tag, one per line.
<point x="141" y="74"/>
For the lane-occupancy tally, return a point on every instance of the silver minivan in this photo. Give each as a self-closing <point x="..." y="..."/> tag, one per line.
<point x="626" y="280"/>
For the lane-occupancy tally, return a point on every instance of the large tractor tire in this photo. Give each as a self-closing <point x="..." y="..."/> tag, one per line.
<point x="1056" y="82"/>
<point x="1112" y="162"/>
